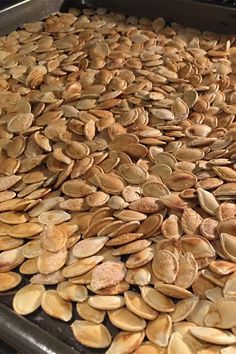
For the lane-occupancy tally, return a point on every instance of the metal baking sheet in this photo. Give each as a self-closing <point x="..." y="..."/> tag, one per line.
<point x="193" y="13"/>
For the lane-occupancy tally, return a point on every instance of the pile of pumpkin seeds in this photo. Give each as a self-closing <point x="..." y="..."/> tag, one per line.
<point x="118" y="180"/>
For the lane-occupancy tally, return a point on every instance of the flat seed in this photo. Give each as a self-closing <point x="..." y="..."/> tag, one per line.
<point x="53" y="239"/>
<point x="130" y="215"/>
<point x="156" y="300"/>
<point x="126" y="320"/>
<point x="72" y="292"/>
<point x="88" y="313"/>
<point x="173" y="291"/>
<point x="29" y="267"/>
<point x="135" y="304"/>
<point x="207" y="201"/>
<point x="81" y="266"/>
<point x="107" y="274"/>
<point x="133" y="174"/>
<point x="165" y="266"/>
<point x="20" y="122"/>
<point x="25" y="230"/>
<point x="139" y="259"/>
<point x="177" y="345"/>
<point x="55" y="306"/>
<point x="188" y="269"/>
<point x="158" y="331"/>
<point x="8" y="243"/>
<point x="132" y="247"/>
<point x="171" y="227"/>
<point x="77" y="189"/>
<point x="89" y="247"/>
<point x="138" y="276"/>
<point x="126" y="342"/>
<point x="213" y="335"/>
<point x="191" y="221"/>
<point x="90" y="334"/>
<point x="32" y="249"/>
<point x="146" y="205"/>
<point x="110" y="183"/>
<point x="28" y="299"/>
<point x="9" y="280"/>
<point x="11" y="259"/>
<point x="50" y="262"/>
<point x="221" y="314"/>
<point x="184" y="308"/>
<point x="148" y="347"/>
<point x="54" y="217"/>
<point x="103" y="302"/>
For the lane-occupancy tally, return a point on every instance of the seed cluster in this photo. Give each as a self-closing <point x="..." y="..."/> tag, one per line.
<point x="118" y="180"/>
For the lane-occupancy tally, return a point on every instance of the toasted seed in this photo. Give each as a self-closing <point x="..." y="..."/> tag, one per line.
<point x="197" y="245"/>
<point x="199" y="313"/>
<point x="221" y="314"/>
<point x="32" y="249"/>
<point x="124" y="319"/>
<point x="173" y="201"/>
<point x="148" y="347"/>
<point x="151" y="225"/>
<point x="89" y="247"/>
<point x="7" y="182"/>
<point x="158" y="330"/>
<point x="77" y="189"/>
<point x="50" y="262"/>
<point x="173" y="291"/>
<point x="97" y="199"/>
<point x="132" y="247"/>
<point x="165" y="266"/>
<point x="227" y="243"/>
<point x="123" y="239"/>
<point x="139" y="259"/>
<point x="55" y="306"/>
<point x="171" y="227"/>
<point x="8" y="243"/>
<point x="29" y="267"/>
<point x="156" y="300"/>
<point x="9" y="280"/>
<point x="53" y="239"/>
<point x="117" y="289"/>
<point x="213" y="335"/>
<point x="11" y="259"/>
<point x="177" y="345"/>
<point x="138" y="276"/>
<point x="184" y="308"/>
<point x="188" y="269"/>
<point x="126" y="342"/>
<point x="228" y="226"/>
<point x="54" y="217"/>
<point x="28" y="299"/>
<point x="81" y="266"/>
<point x="103" y="302"/>
<point x="72" y="292"/>
<point x="90" y="334"/>
<point x="191" y="221"/>
<point x="146" y="205"/>
<point x="109" y="183"/>
<point x="133" y="174"/>
<point x="25" y="230"/>
<point x="207" y="201"/>
<point x="135" y="304"/>
<point x="130" y="215"/>
<point x="88" y="313"/>
<point x="107" y="274"/>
